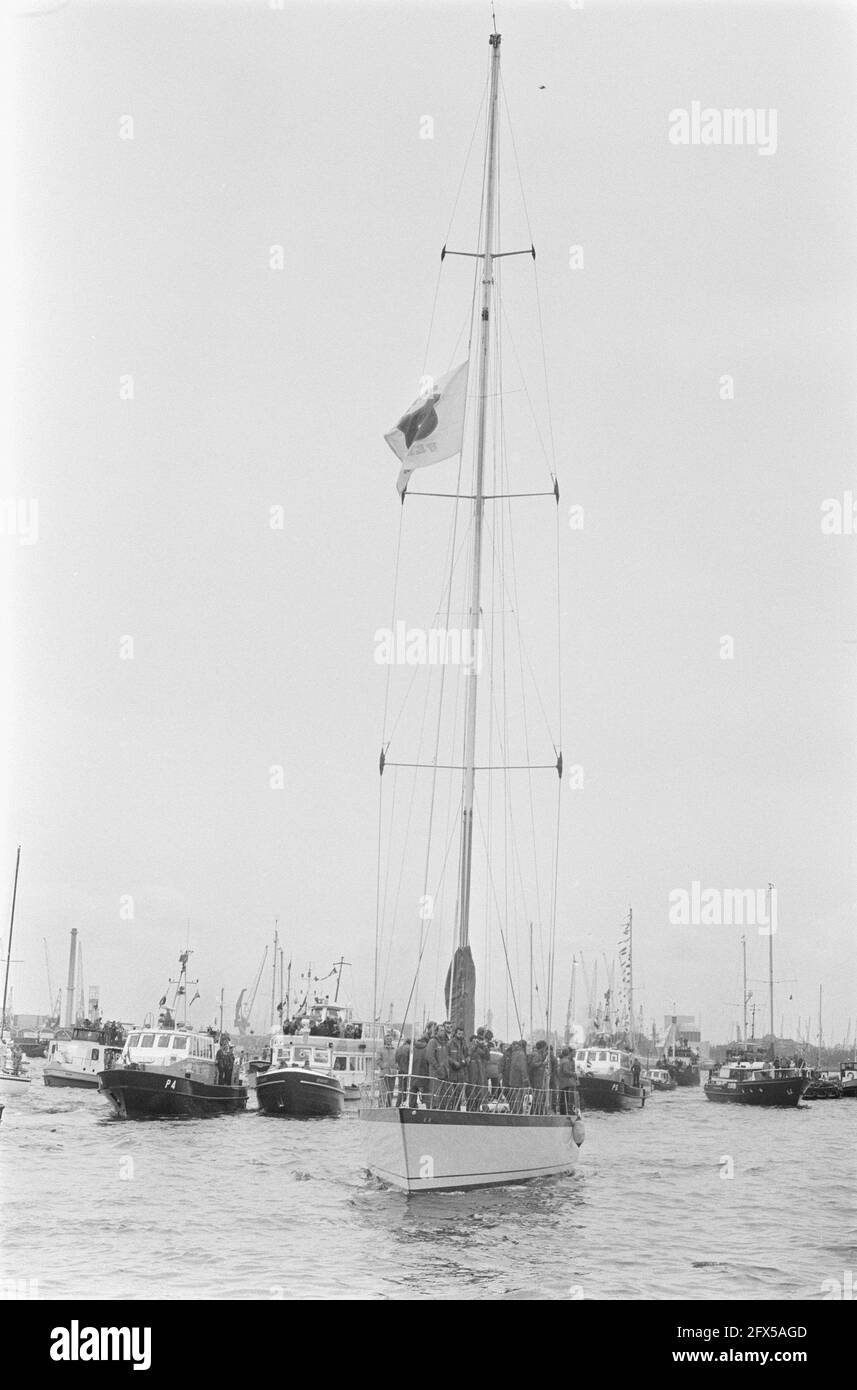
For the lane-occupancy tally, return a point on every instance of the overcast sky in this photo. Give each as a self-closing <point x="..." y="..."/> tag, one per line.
<point x="256" y="387"/>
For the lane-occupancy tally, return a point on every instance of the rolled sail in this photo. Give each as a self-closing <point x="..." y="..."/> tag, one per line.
<point x="460" y="991"/>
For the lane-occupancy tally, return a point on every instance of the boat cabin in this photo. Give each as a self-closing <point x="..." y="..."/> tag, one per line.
<point x="84" y="1049"/>
<point x="174" y="1050"/>
<point x="307" y="1052"/>
<point x="329" y="1040"/>
<point x="603" y="1061"/>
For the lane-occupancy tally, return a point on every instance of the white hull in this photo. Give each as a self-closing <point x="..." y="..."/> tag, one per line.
<point x="10" y="1084"/>
<point x="437" y="1150"/>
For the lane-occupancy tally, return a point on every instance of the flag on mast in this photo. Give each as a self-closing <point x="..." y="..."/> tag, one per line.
<point x="432" y="428"/>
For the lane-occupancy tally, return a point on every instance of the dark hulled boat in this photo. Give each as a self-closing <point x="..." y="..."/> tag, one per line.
<point x="606" y="1078"/>
<point x="144" y="1095"/>
<point x="681" y="1060"/>
<point x="823" y="1087"/>
<point x="747" y="1078"/>
<point x="172" y="1071"/>
<point x="301" y="1080"/>
<point x="167" y="1074"/>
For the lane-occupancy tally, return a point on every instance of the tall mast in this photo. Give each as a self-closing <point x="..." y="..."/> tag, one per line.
<point x="274" y="974"/>
<point x="569" y="1018"/>
<point x="531" y="1007"/>
<point x="465" y="855"/>
<point x="744" y="949"/>
<point x="771" y="966"/>
<point x="9" y="946"/>
<point x="819" y="1026"/>
<point x="631" y="977"/>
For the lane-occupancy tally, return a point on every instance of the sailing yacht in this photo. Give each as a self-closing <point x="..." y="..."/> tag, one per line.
<point x="13" y="1065"/>
<point x="466" y="1133"/>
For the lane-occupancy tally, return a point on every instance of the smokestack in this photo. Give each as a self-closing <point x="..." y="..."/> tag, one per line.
<point x="68" y="1021"/>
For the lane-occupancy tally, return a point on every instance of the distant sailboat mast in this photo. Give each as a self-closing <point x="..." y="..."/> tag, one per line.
<point x="9" y="946"/>
<point x="631" y="977"/>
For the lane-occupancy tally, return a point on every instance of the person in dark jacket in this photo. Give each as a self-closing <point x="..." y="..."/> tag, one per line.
<point x="519" y="1077"/>
<point x="437" y="1057"/>
<point x="403" y="1066"/>
<point x="420" y="1085"/>
<point x="457" y="1063"/>
<point x="477" y="1068"/>
<point x="565" y="1080"/>
<point x="493" y="1064"/>
<point x="507" y="1062"/>
<point x="537" y="1063"/>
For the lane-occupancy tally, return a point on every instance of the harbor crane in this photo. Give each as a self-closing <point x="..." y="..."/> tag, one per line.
<point x="242" y="1010"/>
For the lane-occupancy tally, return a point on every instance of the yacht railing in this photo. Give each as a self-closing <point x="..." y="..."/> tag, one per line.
<point x="432" y="1093"/>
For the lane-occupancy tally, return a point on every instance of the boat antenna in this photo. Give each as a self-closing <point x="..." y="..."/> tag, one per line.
<point x="9" y="945"/>
<point x="338" y="968"/>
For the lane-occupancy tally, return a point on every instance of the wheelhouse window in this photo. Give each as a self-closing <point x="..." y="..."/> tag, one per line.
<point x="147" y="1040"/>
<point x="134" y="1040"/>
<point x="180" y="1043"/>
<point x="93" y="1056"/>
<point x="602" y="1057"/>
<point x="164" y="1040"/>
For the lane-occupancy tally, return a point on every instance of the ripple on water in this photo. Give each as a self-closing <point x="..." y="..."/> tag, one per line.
<point x="230" y="1208"/>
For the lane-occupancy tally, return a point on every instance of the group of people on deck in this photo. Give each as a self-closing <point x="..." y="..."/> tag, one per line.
<point x="444" y="1070"/>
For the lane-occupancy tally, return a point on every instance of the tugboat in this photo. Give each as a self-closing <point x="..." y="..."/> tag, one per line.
<point x="609" y="1071"/>
<point x="358" y="1050"/>
<point x="823" y="1087"/>
<point x="680" y="1058"/>
<point x="301" y="1079"/>
<point x="77" y="1055"/>
<point x="173" y="1071"/>
<point x="609" y="1077"/>
<point x="848" y="1079"/>
<point x="751" y="1076"/>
